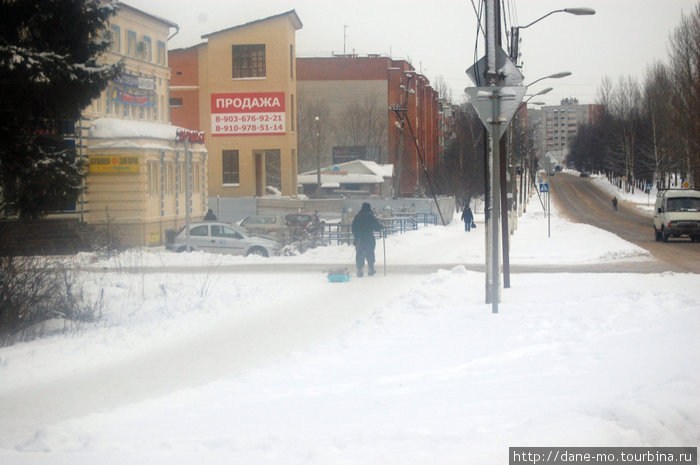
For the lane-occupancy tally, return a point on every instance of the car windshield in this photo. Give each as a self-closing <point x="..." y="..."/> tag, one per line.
<point x="683" y="204"/>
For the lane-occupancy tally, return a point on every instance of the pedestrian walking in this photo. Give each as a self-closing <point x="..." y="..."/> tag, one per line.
<point x="468" y="218"/>
<point x="614" y="203"/>
<point x="363" y="226"/>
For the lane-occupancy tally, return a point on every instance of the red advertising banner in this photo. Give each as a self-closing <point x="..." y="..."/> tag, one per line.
<point x="248" y="114"/>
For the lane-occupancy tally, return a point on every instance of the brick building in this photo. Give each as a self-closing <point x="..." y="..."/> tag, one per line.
<point x="344" y="114"/>
<point x="239" y="87"/>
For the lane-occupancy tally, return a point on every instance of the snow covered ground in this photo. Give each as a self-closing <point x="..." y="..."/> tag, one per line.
<point x="214" y="366"/>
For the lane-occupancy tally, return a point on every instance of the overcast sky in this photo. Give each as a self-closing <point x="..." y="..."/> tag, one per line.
<point x="624" y="37"/>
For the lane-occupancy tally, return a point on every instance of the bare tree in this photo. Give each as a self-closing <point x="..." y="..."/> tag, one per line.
<point x="443" y="90"/>
<point x="363" y="124"/>
<point x="685" y="100"/>
<point x="313" y="137"/>
<point x="625" y="107"/>
<point x="659" y="134"/>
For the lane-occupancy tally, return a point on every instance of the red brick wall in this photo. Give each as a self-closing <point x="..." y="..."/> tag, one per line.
<point x="185" y="72"/>
<point x="342" y="68"/>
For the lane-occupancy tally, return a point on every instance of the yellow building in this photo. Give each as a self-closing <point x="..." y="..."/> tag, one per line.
<point x="140" y="177"/>
<point x="240" y="85"/>
<point x="140" y="40"/>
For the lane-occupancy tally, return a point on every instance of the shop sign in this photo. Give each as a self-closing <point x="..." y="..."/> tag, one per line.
<point x="114" y="164"/>
<point x="248" y="114"/>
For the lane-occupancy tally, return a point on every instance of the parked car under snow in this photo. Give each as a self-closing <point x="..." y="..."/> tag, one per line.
<point x="219" y="237"/>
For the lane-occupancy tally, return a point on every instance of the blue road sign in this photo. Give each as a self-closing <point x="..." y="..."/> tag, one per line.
<point x="544" y="187"/>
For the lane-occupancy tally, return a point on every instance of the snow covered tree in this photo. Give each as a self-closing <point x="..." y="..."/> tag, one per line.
<point x="49" y="72"/>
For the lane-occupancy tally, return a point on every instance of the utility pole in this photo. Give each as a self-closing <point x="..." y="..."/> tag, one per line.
<point x="493" y="81"/>
<point x="495" y="103"/>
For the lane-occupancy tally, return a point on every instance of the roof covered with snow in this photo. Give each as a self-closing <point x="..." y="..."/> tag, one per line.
<point x="356" y="167"/>
<point x="112" y="128"/>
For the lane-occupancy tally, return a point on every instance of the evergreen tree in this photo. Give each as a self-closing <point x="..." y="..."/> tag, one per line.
<point x="49" y="72"/>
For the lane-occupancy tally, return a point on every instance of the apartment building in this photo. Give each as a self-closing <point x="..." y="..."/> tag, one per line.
<point x="561" y="123"/>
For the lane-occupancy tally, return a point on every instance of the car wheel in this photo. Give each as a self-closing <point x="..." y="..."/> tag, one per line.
<point x="657" y="235"/>
<point x="180" y="249"/>
<point x="664" y="236"/>
<point x="257" y="251"/>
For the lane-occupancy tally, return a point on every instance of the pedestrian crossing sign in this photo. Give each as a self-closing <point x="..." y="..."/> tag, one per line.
<point x="544" y="187"/>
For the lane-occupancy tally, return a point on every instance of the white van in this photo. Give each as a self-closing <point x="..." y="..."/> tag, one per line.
<point x="676" y="214"/>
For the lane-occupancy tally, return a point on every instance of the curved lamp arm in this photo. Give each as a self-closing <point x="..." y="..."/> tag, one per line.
<point x="573" y="11"/>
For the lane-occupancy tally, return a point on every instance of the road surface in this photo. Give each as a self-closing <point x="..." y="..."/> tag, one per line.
<point x="580" y="200"/>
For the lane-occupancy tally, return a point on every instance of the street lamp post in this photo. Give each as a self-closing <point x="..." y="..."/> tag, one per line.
<point x="317" y="125"/>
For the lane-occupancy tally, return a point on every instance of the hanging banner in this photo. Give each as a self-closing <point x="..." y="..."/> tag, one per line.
<point x="248" y="114"/>
<point x="132" y="99"/>
<point x="137" y="82"/>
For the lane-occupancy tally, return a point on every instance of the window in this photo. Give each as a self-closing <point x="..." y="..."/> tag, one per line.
<point x="115" y="39"/>
<point x="291" y="62"/>
<point x="175" y="102"/>
<point x="248" y="61"/>
<point x="224" y="231"/>
<point x="153" y="185"/>
<point x="147" y="49"/>
<point x="131" y="43"/>
<point x="292" y="111"/>
<point x="229" y="167"/>
<point x="201" y="230"/>
<point x="161" y="53"/>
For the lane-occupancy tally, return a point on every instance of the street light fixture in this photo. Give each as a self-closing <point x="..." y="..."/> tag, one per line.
<point x="515" y="31"/>
<point x="573" y="11"/>
<point x="551" y="76"/>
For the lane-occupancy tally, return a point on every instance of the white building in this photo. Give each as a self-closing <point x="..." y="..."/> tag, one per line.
<point x="357" y="177"/>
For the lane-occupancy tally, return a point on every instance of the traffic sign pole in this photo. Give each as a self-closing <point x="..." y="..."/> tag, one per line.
<point x="549" y="216"/>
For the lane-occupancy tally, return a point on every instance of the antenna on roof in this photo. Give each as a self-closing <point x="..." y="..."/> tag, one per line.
<point x="345" y="36"/>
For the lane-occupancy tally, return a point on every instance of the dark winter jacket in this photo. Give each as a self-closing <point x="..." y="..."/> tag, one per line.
<point x="363" y="226"/>
<point x="467" y="215"/>
<point x="210" y="216"/>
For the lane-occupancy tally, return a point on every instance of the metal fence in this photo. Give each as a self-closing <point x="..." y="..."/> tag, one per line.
<point x="337" y="233"/>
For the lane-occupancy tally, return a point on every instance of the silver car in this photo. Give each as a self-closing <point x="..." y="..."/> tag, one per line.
<point x="223" y="238"/>
<point x="267" y="225"/>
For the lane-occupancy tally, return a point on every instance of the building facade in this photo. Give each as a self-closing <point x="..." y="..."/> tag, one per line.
<point x="141" y="180"/>
<point x="371" y="108"/>
<point x="560" y="124"/>
<point x="239" y="87"/>
<point x="141" y="92"/>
